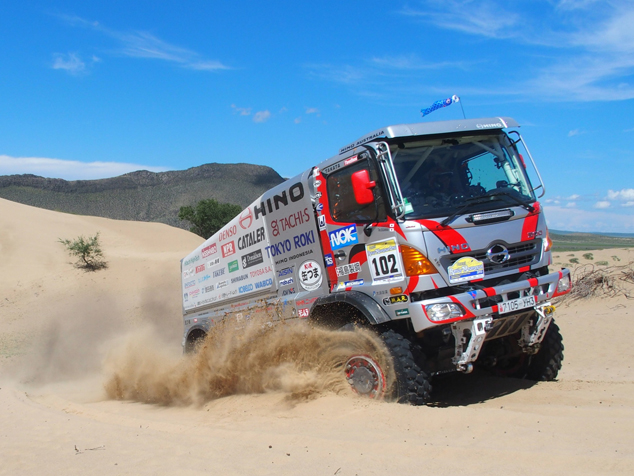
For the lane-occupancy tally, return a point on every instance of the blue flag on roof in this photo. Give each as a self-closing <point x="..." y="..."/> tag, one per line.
<point x="439" y="104"/>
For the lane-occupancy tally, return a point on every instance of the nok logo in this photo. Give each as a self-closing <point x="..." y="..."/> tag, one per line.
<point x="246" y="219"/>
<point x="343" y="237"/>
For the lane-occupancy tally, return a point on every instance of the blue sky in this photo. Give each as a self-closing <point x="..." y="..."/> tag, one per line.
<point x="97" y="89"/>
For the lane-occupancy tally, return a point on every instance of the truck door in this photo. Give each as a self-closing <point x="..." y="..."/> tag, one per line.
<point x="358" y="237"/>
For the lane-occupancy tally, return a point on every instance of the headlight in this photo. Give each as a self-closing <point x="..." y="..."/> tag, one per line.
<point x="442" y="312"/>
<point x="563" y="286"/>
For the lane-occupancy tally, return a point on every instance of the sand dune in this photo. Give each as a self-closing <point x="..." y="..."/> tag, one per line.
<point x="60" y="328"/>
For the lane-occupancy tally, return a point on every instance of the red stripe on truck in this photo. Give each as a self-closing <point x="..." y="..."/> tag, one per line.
<point x="530" y="223"/>
<point x="453" y="240"/>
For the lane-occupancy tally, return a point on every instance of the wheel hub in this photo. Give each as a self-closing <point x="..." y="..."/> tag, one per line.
<point x="365" y="376"/>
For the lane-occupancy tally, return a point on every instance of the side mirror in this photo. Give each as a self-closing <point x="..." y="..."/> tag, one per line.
<point x="362" y="186"/>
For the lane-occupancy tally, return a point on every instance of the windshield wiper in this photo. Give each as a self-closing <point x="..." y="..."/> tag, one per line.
<point x="480" y="200"/>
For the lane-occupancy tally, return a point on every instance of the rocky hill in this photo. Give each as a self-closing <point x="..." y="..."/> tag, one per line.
<point x="143" y="195"/>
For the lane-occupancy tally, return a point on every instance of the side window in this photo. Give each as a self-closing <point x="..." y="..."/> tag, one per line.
<point x="343" y="206"/>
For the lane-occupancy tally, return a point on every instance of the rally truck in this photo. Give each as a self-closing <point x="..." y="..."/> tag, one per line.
<point x="430" y="234"/>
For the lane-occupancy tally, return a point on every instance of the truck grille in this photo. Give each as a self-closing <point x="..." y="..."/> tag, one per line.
<point x="521" y="254"/>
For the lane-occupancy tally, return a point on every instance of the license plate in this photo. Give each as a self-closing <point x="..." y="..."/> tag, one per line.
<point x="516" y="304"/>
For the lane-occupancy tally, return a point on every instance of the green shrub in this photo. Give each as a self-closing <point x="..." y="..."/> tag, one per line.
<point x="87" y="250"/>
<point x="602" y="263"/>
<point x="588" y="256"/>
<point x="574" y="260"/>
<point x="616" y="258"/>
<point x="208" y="216"/>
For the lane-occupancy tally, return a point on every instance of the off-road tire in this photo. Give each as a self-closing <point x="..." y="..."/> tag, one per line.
<point x="546" y="363"/>
<point x="411" y="383"/>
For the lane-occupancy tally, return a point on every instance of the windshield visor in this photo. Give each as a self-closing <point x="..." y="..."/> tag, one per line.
<point x="439" y="176"/>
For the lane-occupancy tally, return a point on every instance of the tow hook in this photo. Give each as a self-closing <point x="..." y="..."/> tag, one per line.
<point x="532" y="335"/>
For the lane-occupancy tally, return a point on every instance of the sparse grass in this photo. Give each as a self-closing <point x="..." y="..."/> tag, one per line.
<point x="602" y="263"/>
<point x="588" y="256"/>
<point x="616" y="258"/>
<point x="574" y="260"/>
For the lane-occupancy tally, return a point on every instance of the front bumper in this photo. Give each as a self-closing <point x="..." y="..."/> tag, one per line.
<point x="486" y="302"/>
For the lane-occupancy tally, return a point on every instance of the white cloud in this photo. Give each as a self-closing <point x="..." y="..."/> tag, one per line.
<point x="574" y="197"/>
<point x="68" y="169"/>
<point x="262" y="116"/>
<point x="298" y="120"/>
<point x="624" y="194"/>
<point x="243" y="111"/>
<point x="602" y="204"/>
<point x="575" y="132"/>
<point x="312" y="110"/>
<point x="141" y="44"/>
<point x="70" y="63"/>
<point x="574" y="219"/>
<point x="571" y="204"/>
<point x="628" y="204"/>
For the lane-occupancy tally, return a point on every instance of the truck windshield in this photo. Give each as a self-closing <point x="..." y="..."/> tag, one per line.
<point x="443" y="175"/>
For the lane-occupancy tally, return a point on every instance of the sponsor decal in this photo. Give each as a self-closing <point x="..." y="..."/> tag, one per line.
<point x="310" y="275"/>
<point x="242" y="277"/>
<point x="395" y="299"/>
<point x="245" y="289"/>
<point x="343" y="237"/>
<point x="264" y="284"/>
<point x="303" y="312"/>
<point x="228" y="249"/>
<point x="222" y="284"/>
<point x="319" y="207"/>
<point x="289" y="222"/>
<point x="402" y="312"/>
<point x="186" y="297"/>
<point x="379" y="293"/>
<point x="295" y="193"/>
<point x="293" y="257"/>
<point x="190" y="284"/>
<point x="286" y="282"/>
<point x="251" y="259"/>
<point x="284" y="272"/>
<point x="246" y="219"/>
<point x="306" y="302"/>
<point x="194" y="293"/>
<point x="187" y="273"/>
<point x="490" y="126"/>
<point x="204" y="278"/>
<point x="228" y="294"/>
<point x="329" y="260"/>
<point x="233" y="266"/>
<point x="191" y="260"/>
<point x="348" y="284"/>
<point x="207" y="289"/>
<point x="200" y="269"/>
<point x="208" y="300"/>
<point x="332" y="168"/>
<point x="213" y="262"/>
<point x="299" y="241"/>
<point x="322" y="222"/>
<point x="227" y="232"/>
<point x="351" y="160"/>
<point x="209" y="250"/>
<point x="251" y="238"/>
<point x="288" y="291"/>
<point x="465" y="269"/>
<point x="367" y="138"/>
<point x="219" y="272"/>
<point x="261" y="271"/>
<point x="347" y="269"/>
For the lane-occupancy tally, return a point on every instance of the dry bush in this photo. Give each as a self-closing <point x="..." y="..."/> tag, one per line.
<point x="590" y="281"/>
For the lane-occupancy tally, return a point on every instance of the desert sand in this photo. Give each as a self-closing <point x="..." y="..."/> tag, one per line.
<point x="64" y="331"/>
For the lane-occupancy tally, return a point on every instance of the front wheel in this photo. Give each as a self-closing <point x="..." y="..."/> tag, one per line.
<point x="411" y="384"/>
<point x="546" y="363"/>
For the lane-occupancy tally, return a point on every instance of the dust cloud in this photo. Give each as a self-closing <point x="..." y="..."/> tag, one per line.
<point x="237" y="358"/>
